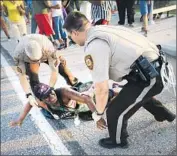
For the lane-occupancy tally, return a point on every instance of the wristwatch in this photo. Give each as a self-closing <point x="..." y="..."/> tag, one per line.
<point x="99" y="114"/>
<point x="27" y="95"/>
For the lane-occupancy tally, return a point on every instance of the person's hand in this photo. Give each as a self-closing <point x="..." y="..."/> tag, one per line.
<point x="62" y="61"/>
<point x="32" y="101"/>
<point x="101" y="124"/>
<point x="15" y="123"/>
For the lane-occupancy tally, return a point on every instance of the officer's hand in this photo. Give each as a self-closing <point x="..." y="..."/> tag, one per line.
<point x="101" y="124"/>
<point x="62" y="61"/>
<point x="32" y="101"/>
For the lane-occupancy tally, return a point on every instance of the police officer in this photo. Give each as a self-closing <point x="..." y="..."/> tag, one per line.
<point x="32" y="50"/>
<point x="117" y="53"/>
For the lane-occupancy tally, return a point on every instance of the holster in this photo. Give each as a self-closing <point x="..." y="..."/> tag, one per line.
<point x="144" y="69"/>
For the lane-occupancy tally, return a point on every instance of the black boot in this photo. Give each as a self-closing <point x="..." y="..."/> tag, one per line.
<point x="169" y="117"/>
<point x="107" y="143"/>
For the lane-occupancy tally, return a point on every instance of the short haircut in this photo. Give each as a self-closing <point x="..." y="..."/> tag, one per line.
<point x="75" y="21"/>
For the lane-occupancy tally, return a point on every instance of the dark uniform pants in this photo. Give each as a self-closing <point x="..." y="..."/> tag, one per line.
<point x="122" y="6"/>
<point x="128" y="96"/>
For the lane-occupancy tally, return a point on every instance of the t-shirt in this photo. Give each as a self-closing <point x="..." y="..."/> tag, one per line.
<point x="39" y="7"/>
<point x="13" y="13"/>
<point x="56" y="12"/>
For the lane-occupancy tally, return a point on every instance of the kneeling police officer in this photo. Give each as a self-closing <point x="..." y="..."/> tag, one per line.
<point x="117" y="53"/>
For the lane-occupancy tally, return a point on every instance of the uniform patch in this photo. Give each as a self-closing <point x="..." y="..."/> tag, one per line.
<point x="19" y="70"/>
<point x="89" y="62"/>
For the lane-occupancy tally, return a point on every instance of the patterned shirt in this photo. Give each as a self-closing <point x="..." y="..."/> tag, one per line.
<point x="102" y="11"/>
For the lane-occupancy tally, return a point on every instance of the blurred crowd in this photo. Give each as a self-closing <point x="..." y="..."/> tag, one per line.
<point x="47" y="17"/>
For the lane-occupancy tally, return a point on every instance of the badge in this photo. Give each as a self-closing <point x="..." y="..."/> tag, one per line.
<point x="19" y="70"/>
<point x="89" y="62"/>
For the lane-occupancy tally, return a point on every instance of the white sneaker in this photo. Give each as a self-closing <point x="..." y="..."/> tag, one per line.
<point x="151" y="22"/>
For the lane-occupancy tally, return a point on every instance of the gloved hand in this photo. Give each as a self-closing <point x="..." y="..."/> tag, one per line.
<point x="33" y="101"/>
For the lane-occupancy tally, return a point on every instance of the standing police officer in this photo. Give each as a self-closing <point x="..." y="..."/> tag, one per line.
<point x="115" y="52"/>
<point x="32" y="50"/>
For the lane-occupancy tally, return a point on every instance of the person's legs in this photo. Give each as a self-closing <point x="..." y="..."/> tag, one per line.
<point x="154" y="106"/>
<point x="71" y="4"/>
<point x="22" y="27"/>
<point x="15" y="30"/>
<point x="77" y="5"/>
<point x="33" y="25"/>
<point x="56" y="27"/>
<point x="64" y="13"/>
<point x="47" y="25"/>
<point x="39" y="22"/>
<point x="144" y="13"/>
<point x="62" y="31"/>
<point x="130" y="11"/>
<point x="116" y="107"/>
<point x="121" y="11"/>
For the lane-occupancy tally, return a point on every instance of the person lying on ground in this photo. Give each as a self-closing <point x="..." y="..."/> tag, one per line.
<point x="65" y="102"/>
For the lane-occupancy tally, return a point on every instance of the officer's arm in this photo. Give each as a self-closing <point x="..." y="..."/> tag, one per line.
<point x="97" y="61"/>
<point x="101" y="92"/>
<point x="23" y="77"/>
<point x="53" y="63"/>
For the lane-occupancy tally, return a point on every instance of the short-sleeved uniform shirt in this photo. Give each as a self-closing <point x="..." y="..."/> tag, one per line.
<point x="111" y="50"/>
<point x="48" y="53"/>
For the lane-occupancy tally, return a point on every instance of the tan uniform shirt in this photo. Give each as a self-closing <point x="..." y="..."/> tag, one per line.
<point x="111" y="50"/>
<point x="48" y="52"/>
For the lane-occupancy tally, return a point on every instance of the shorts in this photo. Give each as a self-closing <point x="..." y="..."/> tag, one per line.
<point x="44" y="24"/>
<point x="145" y="8"/>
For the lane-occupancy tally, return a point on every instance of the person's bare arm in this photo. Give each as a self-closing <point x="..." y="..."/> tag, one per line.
<point x="24" y="113"/>
<point x="70" y="94"/>
<point x="19" y="121"/>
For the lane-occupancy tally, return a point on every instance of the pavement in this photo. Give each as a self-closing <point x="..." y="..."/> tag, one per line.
<point x="147" y="137"/>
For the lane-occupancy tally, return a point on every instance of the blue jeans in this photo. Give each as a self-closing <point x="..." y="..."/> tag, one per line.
<point x="58" y="28"/>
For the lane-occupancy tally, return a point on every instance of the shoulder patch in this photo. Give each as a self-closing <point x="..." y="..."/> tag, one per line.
<point x="19" y="69"/>
<point x="89" y="62"/>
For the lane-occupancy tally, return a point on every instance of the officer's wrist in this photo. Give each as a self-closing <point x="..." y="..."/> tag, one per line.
<point x="99" y="114"/>
<point x="95" y="116"/>
<point x="28" y="94"/>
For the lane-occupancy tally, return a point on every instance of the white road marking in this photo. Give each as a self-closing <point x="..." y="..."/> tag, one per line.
<point x="55" y="143"/>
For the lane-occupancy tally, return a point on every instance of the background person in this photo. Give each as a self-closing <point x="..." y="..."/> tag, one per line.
<point x="57" y="18"/>
<point x="15" y="11"/>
